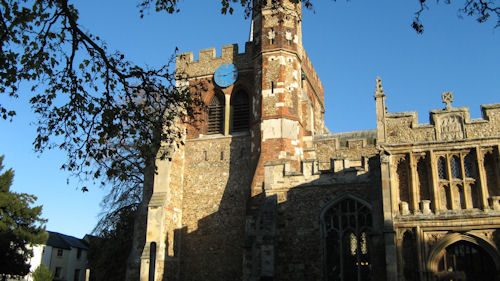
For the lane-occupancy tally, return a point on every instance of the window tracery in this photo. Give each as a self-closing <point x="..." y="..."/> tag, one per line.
<point x="458" y="189"/>
<point x="441" y="165"/>
<point x="469" y="166"/>
<point x="347" y="225"/>
<point x="456" y="172"/>
<point x="216" y="115"/>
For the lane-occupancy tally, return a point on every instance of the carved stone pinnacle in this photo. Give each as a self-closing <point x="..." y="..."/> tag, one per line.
<point x="379" y="92"/>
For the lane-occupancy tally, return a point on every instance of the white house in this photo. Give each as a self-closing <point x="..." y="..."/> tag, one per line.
<point x="64" y="255"/>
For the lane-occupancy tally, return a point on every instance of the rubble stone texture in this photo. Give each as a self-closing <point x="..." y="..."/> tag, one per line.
<point x="287" y="200"/>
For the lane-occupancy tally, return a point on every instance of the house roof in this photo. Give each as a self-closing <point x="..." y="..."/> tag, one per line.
<point x="59" y="240"/>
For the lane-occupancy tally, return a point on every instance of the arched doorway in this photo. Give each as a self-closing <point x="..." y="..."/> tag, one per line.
<point x="465" y="261"/>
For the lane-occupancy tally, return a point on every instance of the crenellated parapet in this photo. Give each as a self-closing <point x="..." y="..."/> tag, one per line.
<point x="342" y="151"/>
<point x="448" y="124"/>
<point x="208" y="61"/>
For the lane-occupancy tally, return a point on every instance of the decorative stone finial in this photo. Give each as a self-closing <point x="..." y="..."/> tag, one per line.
<point x="447" y="98"/>
<point x="379" y="92"/>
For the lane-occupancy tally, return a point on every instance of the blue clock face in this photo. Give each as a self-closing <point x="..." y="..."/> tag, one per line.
<point x="226" y="75"/>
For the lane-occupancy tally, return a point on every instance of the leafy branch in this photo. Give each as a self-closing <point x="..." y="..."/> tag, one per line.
<point x="481" y="10"/>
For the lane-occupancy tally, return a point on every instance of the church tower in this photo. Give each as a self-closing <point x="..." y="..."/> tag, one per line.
<point x="291" y="95"/>
<point x="262" y="108"/>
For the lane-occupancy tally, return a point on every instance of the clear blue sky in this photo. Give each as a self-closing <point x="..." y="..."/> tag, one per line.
<point x="350" y="44"/>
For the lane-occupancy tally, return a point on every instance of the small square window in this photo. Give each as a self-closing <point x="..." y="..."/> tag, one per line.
<point x="59" y="252"/>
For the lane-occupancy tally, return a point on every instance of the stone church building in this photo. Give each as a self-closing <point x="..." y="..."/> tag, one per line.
<point x="259" y="189"/>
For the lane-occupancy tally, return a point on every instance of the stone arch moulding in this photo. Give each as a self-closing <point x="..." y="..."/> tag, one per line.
<point x="437" y="249"/>
<point x="339" y="198"/>
<point x="335" y="200"/>
<point x="240" y="86"/>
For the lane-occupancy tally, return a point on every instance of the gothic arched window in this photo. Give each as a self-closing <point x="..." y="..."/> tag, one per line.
<point x="216" y="115"/>
<point x="442" y="168"/>
<point x="241" y="112"/>
<point x="467" y="259"/>
<point x="347" y="225"/>
<point x="455" y="167"/>
<point x="469" y="165"/>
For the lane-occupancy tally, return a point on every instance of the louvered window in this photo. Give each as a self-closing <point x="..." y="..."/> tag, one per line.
<point x="241" y="112"/>
<point x="216" y="115"/>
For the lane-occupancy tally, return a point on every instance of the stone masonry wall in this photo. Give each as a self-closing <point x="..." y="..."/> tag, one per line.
<point x="301" y="197"/>
<point x="299" y="247"/>
<point x="344" y="150"/>
<point x="216" y="186"/>
<point x="435" y="186"/>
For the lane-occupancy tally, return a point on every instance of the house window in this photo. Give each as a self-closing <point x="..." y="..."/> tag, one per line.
<point x="59" y="252"/>
<point x="347" y="225"/>
<point x="241" y="112"/>
<point x="58" y="273"/>
<point x="79" y="253"/>
<point x="216" y="115"/>
<point x="77" y="275"/>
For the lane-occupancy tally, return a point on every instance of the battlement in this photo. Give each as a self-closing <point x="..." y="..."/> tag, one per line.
<point x="208" y="61"/>
<point x="449" y="124"/>
<point x="345" y="151"/>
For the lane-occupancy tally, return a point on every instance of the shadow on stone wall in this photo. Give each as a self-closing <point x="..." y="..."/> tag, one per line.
<point x="214" y="250"/>
<point x="273" y="237"/>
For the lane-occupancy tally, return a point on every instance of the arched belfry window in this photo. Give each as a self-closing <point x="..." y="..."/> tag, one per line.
<point x="241" y="111"/>
<point x="346" y="228"/>
<point x="216" y="115"/>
